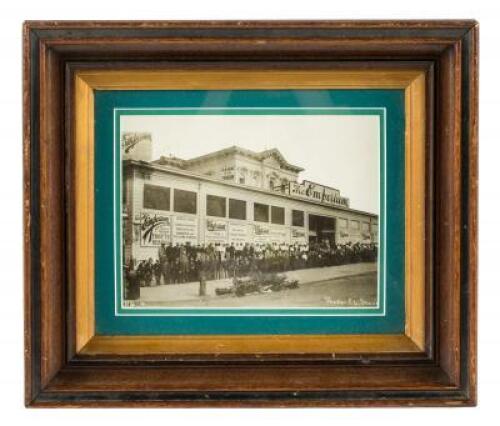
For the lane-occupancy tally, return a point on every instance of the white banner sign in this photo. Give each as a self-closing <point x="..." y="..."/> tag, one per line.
<point x="215" y="231"/>
<point x="238" y="233"/>
<point x="185" y="230"/>
<point x="279" y="235"/>
<point x="261" y="234"/>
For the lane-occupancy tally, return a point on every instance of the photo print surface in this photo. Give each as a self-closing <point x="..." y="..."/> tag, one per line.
<point x="266" y="210"/>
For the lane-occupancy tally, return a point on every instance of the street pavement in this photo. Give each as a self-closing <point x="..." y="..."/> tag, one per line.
<point x="175" y="293"/>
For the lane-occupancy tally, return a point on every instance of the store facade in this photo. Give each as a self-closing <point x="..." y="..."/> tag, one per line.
<point x="166" y="201"/>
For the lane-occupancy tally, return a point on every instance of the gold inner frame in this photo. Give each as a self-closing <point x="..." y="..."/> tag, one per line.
<point x="413" y="82"/>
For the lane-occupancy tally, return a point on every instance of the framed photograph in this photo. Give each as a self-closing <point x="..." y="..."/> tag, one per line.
<point x="250" y="213"/>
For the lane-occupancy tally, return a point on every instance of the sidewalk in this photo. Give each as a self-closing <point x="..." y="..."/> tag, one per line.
<point x="189" y="291"/>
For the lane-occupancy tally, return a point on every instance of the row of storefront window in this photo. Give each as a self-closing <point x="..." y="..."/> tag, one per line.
<point x="158" y="198"/>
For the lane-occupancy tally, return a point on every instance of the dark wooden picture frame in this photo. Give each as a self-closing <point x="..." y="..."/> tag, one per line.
<point x="66" y="366"/>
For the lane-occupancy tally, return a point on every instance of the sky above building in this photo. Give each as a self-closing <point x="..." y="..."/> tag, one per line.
<point x="335" y="150"/>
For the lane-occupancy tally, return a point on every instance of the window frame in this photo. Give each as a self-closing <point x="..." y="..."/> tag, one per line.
<point x="162" y="188"/>
<point x="303" y="218"/>
<point x="254" y="210"/>
<point x="273" y="209"/>
<point x="207" y="205"/>
<point x="244" y="209"/>
<point x="176" y="190"/>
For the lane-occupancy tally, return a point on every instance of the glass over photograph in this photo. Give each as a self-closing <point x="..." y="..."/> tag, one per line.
<point x="250" y="208"/>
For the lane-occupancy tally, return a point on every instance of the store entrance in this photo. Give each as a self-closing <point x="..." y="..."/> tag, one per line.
<point x="321" y="229"/>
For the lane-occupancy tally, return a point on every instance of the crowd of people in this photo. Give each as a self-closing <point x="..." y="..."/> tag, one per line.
<point x="180" y="263"/>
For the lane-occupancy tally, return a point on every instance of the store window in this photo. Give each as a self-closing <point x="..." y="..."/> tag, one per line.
<point x="237" y="209"/>
<point x="355" y="224"/>
<point x="156" y="197"/>
<point x="297" y="218"/>
<point x="278" y="215"/>
<point x="365" y="226"/>
<point x="260" y="212"/>
<point x="184" y="201"/>
<point x="342" y="223"/>
<point x="216" y="206"/>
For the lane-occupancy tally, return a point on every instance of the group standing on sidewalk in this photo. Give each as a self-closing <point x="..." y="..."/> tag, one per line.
<point x="181" y="263"/>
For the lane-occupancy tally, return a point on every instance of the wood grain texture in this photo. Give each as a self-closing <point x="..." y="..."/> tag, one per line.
<point x="239" y="79"/>
<point x="52" y="217"/>
<point x="84" y="213"/>
<point x="445" y="375"/>
<point x="448" y="212"/>
<point x="241" y="378"/>
<point x="415" y="301"/>
<point x="333" y="346"/>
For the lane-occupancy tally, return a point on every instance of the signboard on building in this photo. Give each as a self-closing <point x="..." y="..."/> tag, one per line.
<point x="238" y="233"/>
<point x="185" y="229"/>
<point x="298" y="236"/>
<point x="279" y="235"/>
<point x="215" y="231"/>
<point x="155" y="229"/>
<point x="316" y="192"/>
<point x="274" y="235"/>
<point x="261" y="234"/>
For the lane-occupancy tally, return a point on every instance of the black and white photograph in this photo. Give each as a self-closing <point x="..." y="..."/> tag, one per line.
<point x="250" y="211"/>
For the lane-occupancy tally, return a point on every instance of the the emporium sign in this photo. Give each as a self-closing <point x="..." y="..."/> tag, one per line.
<point x="316" y="192"/>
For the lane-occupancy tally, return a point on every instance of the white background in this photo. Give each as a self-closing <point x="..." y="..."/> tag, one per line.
<point x="11" y="281"/>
